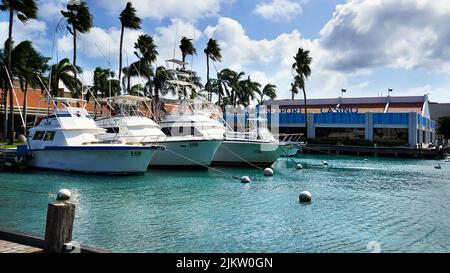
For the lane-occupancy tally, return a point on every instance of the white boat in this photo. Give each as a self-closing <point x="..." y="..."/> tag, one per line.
<point x="258" y="147"/>
<point x="130" y="125"/>
<point x="66" y="140"/>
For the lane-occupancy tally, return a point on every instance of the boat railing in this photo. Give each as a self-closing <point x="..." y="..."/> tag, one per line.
<point x="290" y="138"/>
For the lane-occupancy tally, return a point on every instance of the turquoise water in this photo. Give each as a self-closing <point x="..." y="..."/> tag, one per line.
<point x="404" y="205"/>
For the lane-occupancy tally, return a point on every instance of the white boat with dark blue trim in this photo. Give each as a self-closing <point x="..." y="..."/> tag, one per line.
<point x="67" y="140"/>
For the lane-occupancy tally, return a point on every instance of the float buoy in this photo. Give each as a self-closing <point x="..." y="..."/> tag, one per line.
<point x="438" y="167"/>
<point x="325" y="163"/>
<point x="299" y="166"/>
<point x="63" y="194"/>
<point x="268" y="172"/>
<point x="245" y="179"/>
<point x="305" y="197"/>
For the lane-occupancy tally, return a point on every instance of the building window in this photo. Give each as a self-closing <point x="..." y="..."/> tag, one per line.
<point x="38" y="135"/>
<point x="340" y="133"/>
<point x="49" y="136"/>
<point x="394" y="136"/>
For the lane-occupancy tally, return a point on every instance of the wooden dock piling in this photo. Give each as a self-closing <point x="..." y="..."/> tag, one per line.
<point x="59" y="226"/>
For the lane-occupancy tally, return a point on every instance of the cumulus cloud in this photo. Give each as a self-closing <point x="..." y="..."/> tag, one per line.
<point x="404" y="34"/>
<point x="32" y="30"/>
<point x="101" y="43"/>
<point x="278" y="10"/>
<point x="168" y="38"/>
<point x="50" y="10"/>
<point x="160" y="9"/>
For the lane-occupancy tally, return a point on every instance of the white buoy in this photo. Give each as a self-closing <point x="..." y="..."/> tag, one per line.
<point x="299" y="166"/>
<point x="325" y="163"/>
<point x="22" y="138"/>
<point x="268" y="172"/>
<point x="63" y="194"/>
<point x="365" y="160"/>
<point x="305" y="197"/>
<point x="438" y="167"/>
<point x="245" y="179"/>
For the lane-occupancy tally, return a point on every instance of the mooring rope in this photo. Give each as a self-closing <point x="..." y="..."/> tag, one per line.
<point x="203" y="165"/>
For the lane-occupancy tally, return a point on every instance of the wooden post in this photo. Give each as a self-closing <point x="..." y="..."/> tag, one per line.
<point x="58" y="229"/>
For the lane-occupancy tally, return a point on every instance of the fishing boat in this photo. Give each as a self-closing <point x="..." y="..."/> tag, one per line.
<point x="128" y="121"/>
<point x="66" y="139"/>
<point x="257" y="147"/>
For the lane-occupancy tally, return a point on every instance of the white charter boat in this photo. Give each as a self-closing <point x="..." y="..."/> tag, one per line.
<point x="258" y="147"/>
<point x="66" y="140"/>
<point x="128" y="123"/>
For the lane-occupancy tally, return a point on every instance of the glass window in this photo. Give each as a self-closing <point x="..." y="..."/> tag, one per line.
<point x="394" y="136"/>
<point x="38" y="135"/>
<point x="112" y="130"/>
<point x="49" y="136"/>
<point x="166" y="131"/>
<point x="340" y="133"/>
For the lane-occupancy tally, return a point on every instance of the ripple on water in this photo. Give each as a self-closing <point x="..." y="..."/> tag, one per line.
<point x="402" y="204"/>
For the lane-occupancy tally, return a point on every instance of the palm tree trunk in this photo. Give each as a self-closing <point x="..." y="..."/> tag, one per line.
<point x="306" y="113"/>
<point x="207" y="78"/>
<point x="129" y="81"/>
<point x="75" y="55"/>
<point x="24" y="111"/>
<point x="184" y="58"/>
<point x="120" y="55"/>
<point x="292" y="94"/>
<point x="11" y="90"/>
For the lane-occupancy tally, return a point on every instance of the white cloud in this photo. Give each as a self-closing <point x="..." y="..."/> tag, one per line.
<point x="32" y="30"/>
<point x="168" y="38"/>
<point x="160" y="9"/>
<point x="101" y="43"/>
<point x="50" y="10"/>
<point x="278" y="10"/>
<point x="404" y="34"/>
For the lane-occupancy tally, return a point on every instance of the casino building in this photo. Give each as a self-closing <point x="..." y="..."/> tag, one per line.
<point x="396" y="121"/>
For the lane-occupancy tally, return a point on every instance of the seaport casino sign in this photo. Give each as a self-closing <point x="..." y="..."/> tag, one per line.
<point x="323" y="110"/>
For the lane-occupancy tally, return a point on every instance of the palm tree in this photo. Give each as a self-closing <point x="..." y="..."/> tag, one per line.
<point x="220" y="88"/>
<point x="248" y="91"/>
<point x="147" y="54"/>
<point x="25" y="10"/>
<point x="302" y="68"/>
<point x="159" y="81"/>
<point x="79" y="18"/>
<point x="186" y="48"/>
<point x="29" y="68"/>
<point x="212" y="52"/>
<point x="269" y="90"/>
<point x="294" y="85"/>
<point x="65" y="72"/>
<point x="104" y="83"/>
<point x="233" y="80"/>
<point x="129" y="20"/>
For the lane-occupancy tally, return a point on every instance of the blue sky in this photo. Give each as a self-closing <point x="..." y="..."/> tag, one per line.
<point x="364" y="46"/>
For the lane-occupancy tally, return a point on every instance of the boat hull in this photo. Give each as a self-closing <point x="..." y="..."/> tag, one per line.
<point x="99" y="160"/>
<point x="197" y="154"/>
<point x="239" y="153"/>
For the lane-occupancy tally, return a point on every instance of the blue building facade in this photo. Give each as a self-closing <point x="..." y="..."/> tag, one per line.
<point x="384" y="120"/>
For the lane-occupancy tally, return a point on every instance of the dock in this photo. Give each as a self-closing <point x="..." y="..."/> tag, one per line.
<point x="403" y="152"/>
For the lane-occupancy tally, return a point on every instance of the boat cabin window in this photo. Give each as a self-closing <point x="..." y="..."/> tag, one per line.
<point x="49" y="136"/>
<point x="181" y="131"/>
<point x="38" y="135"/>
<point x="112" y="130"/>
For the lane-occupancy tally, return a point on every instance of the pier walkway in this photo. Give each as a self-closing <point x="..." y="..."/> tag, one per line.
<point x="10" y="247"/>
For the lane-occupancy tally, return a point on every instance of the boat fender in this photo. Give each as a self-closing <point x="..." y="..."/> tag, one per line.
<point x="63" y="194"/>
<point x="305" y="197"/>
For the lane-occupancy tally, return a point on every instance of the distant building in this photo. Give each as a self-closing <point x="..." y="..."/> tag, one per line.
<point x="395" y="120"/>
